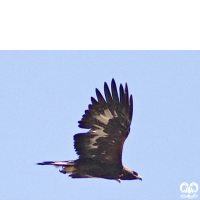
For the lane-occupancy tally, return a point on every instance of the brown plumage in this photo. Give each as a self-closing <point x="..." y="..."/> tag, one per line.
<point x="100" y="149"/>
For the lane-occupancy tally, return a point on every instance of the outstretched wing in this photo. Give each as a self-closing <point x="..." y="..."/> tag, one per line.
<point x="109" y="123"/>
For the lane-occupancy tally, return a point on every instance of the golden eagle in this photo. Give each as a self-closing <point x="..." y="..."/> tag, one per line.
<point x="100" y="149"/>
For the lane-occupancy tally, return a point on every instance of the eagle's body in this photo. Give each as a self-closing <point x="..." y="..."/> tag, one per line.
<point x="100" y="149"/>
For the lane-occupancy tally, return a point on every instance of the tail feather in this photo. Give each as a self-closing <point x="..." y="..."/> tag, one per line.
<point x="57" y="163"/>
<point x="68" y="166"/>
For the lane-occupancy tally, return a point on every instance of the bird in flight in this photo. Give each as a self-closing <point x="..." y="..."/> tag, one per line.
<point x="100" y="149"/>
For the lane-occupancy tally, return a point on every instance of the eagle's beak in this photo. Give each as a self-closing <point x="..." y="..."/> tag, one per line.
<point x="139" y="177"/>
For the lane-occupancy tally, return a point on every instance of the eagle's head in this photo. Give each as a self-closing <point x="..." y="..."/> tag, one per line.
<point x="128" y="174"/>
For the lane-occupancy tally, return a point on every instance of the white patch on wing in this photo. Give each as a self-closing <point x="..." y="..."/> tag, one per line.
<point x="97" y="134"/>
<point x="108" y="113"/>
<point x="104" y="118"/>
<point x="115" y="113"/>
<point x="104" y="152"/>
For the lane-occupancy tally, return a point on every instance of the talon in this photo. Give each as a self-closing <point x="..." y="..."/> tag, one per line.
<point x="61" y="171"/>
<point x="118" y="180"/>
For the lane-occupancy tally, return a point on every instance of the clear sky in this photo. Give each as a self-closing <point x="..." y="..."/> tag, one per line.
<point x="45" y="93"/>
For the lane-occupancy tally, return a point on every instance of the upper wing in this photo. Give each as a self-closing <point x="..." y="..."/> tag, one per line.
<point x="109" y="123"/>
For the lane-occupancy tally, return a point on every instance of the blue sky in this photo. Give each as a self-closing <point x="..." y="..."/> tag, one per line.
<point x="45" y="93"/>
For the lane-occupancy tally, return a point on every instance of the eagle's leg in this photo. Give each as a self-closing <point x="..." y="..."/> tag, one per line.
<point x="118" y="180"/>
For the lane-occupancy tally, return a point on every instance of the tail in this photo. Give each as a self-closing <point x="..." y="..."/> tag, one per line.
<point x="67" y="166"/>
<point x="56" y="163"/>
